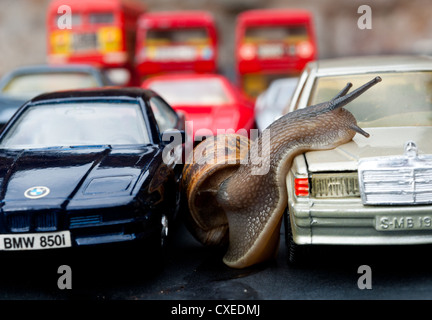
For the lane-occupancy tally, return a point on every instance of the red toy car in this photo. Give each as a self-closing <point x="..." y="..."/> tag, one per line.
<point x="209" y="101"/>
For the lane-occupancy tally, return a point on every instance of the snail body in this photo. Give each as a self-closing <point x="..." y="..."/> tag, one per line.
<point x="252" y="204"/>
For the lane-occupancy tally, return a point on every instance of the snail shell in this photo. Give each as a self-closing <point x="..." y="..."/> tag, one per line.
<point x="229" y="203"/>
<point x="215" y="160"/>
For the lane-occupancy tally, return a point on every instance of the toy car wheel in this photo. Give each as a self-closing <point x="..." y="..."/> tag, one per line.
<point x="296" y="254"/>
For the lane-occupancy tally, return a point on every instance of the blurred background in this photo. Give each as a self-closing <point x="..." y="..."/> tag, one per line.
<point x="398" y="26"/>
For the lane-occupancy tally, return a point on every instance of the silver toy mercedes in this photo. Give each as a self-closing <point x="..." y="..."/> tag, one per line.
<point x="370" y="191"/>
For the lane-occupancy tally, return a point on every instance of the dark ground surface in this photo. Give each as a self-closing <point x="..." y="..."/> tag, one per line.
<point x="193" y="272"/>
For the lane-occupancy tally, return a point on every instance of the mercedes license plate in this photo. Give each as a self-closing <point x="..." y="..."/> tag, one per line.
<point x="403" y="223"/>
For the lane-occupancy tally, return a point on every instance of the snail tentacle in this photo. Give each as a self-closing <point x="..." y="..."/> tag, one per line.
<point x="359" y="130"/>
<point x="344" y="91"/>
<point x="342" y="101"/>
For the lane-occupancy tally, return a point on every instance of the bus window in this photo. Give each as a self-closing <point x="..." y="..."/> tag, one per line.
<point x="101" y="18"/>
<point x="76" y="20"/>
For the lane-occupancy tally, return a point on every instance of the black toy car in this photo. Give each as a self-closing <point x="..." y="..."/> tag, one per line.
<point x="88" y="167"/>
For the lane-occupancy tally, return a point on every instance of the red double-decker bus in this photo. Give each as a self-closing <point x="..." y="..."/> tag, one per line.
<point x="100" y="32"/>
<point x="176" y="41"/>
<point x="270" y="44"/>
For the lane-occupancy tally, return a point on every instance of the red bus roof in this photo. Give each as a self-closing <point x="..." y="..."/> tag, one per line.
<point x="274" y="16"/>
<point x="176" y="19"/>
<point x="98" y="5"/>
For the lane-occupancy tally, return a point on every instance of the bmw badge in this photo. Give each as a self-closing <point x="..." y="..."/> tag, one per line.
<point x="36" y="192"/>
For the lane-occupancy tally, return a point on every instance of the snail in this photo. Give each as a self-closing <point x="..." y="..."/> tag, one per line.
<point x="230" y="205"/>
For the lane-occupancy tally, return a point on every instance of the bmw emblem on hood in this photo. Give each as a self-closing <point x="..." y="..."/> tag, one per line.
<point x="36" y="192"/>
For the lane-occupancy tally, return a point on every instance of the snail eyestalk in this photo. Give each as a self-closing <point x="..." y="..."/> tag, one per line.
<point x="344" y="91"/>
<point x="347" y="98"/>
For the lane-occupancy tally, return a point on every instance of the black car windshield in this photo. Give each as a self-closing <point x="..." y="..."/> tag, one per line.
<point x="401" y="99"/>
<point x="77" y="124"/>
